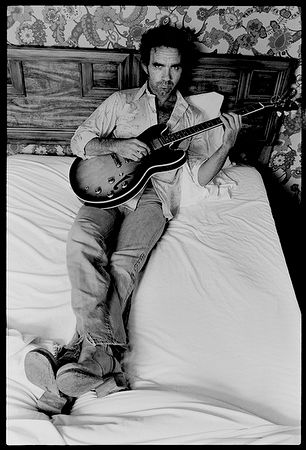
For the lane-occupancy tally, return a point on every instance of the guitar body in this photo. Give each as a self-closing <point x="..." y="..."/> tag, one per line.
<point x="110" y="180"/>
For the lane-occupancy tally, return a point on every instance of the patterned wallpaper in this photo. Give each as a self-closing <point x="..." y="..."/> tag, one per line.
<point x="249" y="30"/>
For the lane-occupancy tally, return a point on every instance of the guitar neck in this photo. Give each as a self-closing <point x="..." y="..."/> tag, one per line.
<point x="208" y="125"/>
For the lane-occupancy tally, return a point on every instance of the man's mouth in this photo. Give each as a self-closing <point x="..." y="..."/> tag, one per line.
<point x="165" y="87"/>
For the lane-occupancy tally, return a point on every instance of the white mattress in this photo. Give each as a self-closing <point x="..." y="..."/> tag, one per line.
<point x="214" y="326"/>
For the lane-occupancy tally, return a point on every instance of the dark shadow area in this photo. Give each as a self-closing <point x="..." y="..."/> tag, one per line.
<point x="288" y="216"/>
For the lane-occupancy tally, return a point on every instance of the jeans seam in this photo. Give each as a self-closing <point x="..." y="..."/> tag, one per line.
<point x="153" y="238"/>
<point x="133" y="275"/>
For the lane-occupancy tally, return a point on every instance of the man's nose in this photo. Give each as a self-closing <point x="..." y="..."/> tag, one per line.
<point x="166" y="74"/>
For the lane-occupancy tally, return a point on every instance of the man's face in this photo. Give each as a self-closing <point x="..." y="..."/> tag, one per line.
<point x="164" y="70"/>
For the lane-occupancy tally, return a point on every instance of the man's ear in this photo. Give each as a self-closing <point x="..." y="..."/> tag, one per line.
<point x="145" y="68"/>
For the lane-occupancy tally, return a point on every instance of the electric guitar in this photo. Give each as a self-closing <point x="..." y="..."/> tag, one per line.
<point x="109" y="180"/>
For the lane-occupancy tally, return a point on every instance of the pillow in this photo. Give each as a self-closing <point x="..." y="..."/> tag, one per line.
<point x="210" y="104"/>
<point x="221" y="185"/>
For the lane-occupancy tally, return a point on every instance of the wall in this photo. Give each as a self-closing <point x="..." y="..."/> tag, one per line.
<point x="250" y="30"/>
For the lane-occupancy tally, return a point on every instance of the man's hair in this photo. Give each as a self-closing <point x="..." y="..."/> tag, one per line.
<point x="169" y="36"/>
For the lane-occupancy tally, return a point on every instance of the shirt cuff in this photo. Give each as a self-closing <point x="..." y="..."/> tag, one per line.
<point x="79" y="141"/>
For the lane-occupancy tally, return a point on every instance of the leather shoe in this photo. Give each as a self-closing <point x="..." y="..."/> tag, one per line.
<point x="96" y="363"/>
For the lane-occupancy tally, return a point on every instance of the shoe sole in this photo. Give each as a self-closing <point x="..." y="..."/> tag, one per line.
<point x="75" y="382"/>
<point x="40" y="369"/>
<point x="51" y="404"/>
<point x="109" y="386"/>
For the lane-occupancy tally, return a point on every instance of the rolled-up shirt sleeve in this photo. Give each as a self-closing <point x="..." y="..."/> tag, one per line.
<point x="202" y="146"/>
<point x="99" y="124"/>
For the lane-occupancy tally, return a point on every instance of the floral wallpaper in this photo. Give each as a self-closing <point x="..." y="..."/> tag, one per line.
<point x="249" y="30"/>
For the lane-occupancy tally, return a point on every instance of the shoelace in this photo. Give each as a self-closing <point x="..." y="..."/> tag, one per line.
<point x="56" y="348"/>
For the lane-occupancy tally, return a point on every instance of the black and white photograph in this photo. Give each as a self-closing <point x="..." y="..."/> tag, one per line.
<point x="154" y="225"/>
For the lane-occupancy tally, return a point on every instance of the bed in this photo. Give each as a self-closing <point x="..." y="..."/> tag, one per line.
<point x="214" y="326"/>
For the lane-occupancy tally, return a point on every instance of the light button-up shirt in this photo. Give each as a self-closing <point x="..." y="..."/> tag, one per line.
<point x="126" y="114"/>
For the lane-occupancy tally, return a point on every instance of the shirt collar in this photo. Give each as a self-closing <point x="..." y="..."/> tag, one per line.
<point x="142" y="91"/>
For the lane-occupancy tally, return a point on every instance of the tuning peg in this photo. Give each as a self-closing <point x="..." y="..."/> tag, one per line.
<point x="295" y="104"/>
<point x="292" y="92"/>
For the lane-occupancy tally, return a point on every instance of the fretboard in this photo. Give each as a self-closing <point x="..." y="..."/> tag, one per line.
<point x="208" y="125"/>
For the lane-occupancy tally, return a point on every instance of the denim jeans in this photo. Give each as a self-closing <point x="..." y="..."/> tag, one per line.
<point x="106" y="250"/>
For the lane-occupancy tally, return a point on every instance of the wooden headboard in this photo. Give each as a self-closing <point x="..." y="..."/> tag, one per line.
<point x="50" y="91"/>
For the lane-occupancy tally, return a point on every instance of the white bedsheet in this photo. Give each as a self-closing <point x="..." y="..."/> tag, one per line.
<point x="214" y="326"/>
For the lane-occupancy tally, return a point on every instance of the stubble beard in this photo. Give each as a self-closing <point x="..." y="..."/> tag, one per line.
<point x="164" y="89"/>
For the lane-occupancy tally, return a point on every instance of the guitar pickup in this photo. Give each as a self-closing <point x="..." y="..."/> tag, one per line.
<point x="116" y="160"/>
<point x="98" y="190"/>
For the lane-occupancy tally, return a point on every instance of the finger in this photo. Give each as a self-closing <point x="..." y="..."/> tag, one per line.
<point x="236" y="118"/>
<point x="225" y="120"/>
<point x="134" y="157"/>
<point x="136" y="151"/>
<point x="143" y="147"/>
<point x="230" y="117"/>
<point x="231" y="120"/>
<point x="142" y="152"/>
<point x="138" y="154"/>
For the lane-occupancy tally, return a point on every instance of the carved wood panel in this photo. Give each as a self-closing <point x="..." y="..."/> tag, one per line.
<point x="110" y="74"/>
<point x="52" y="90"/>
<point x="15" y="80"/>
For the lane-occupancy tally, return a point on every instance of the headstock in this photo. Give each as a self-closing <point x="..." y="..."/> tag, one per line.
<point x="286" y="103"/>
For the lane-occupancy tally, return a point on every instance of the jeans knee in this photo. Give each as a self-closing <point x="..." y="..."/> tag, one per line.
<point x="121" y="266"/>
<point x="85" y="240"/>
<point x="124" y="270"/>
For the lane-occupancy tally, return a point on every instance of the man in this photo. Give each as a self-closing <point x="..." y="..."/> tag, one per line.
<point x="107" y="248"/>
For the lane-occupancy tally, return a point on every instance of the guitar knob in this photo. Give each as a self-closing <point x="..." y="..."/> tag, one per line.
<point x="111" y="180"/>
<point x="98" y="190"/>
<point x="110" y="194"/>
<point x="124" y="184"/>
<point x="116" y="160"/>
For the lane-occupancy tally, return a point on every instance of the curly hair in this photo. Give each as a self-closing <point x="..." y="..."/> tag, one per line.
<point x="169" y="36"/>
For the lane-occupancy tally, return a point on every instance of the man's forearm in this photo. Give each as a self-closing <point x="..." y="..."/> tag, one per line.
<point x="211" y="166"/>
<point x="98" y="147"/>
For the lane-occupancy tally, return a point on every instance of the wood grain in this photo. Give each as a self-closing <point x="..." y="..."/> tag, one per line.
<point x="51" y="91"/>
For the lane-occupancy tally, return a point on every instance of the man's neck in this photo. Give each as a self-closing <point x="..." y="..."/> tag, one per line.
<point x="165" y="107"/>
<point x="164" y="102"/>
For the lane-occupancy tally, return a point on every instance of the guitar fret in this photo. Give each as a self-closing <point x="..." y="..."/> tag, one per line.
<point x="163" y="139"/>
<point x="191" y="131"/>
<point x="249" y="109"/>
